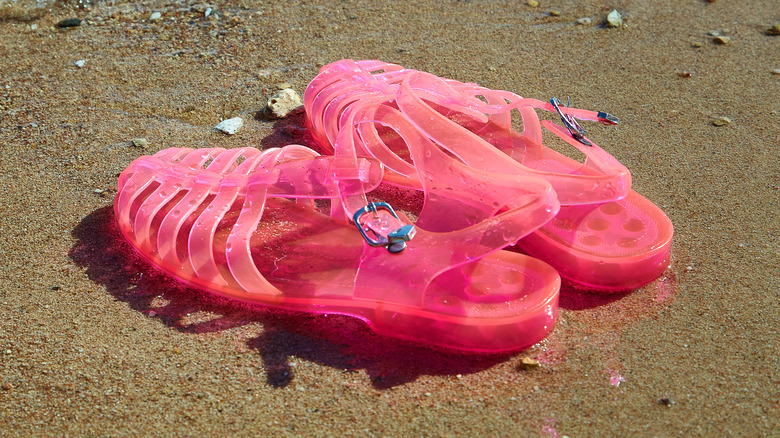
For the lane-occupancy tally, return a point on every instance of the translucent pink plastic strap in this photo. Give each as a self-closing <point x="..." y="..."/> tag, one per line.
<point x="344" y="84"/>
<point x="612" y="181"/>
<point x="444" y="240"/>
<point x="167" y="236"/>
<point x="186" y="178"/>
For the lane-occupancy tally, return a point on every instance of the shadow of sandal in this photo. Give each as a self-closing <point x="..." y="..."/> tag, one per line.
<point x="335" y="341"/>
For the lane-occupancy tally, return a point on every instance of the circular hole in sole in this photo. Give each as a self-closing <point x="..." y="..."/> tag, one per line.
<point x="634" y="226"/>
<point x="478" y="289"/>
<point x="611" y="208"/>
<point x="597" y="224"/>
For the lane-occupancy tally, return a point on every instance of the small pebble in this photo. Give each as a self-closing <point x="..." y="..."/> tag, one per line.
<point x="69" y="22"/>
<point x="584" y="21"/>
<point x="555" y="13"/>
<point x="7" y="386"/>
<point x="155" y="16"/>
<point x="689" y="268"/>
<point x="614" y="19"/>
<point x="528" y="363"/>
<point x="34" y="26"/>
<point x="283" y="103"/>
<point x="80" y="63"/>
<point x="686" y="73"/>
<point x="230" y="126"/>
<point x="666" y="401"/>
<point x="491" y="68"/>
<point x="207" y="12"/>
<point x="721" y="121"/>
<point x="776" y="71"/>
<point x="533" y="3"/>
<point x="774" y="30"/>
<point x="140" y="143"/>
<point x="283" y="85"/>
<point x="722" y="40"/>
<point x="713" y="33"/>
<point x="697" y="44"/>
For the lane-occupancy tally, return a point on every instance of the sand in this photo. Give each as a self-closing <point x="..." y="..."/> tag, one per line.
<point x="94" y="342"/>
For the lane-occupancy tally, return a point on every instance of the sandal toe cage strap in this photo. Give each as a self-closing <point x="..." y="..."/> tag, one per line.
<point x="195" y="190"/>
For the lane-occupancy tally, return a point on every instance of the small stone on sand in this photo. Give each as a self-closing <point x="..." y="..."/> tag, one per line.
<point x="69" y="22"/>
<point x="721" y="121"/>
<point x="584" y="21"/>
<point x="533" y="3"/>
<point x="80" y="63"/>
<point x="283" y="103"/>
<point x="528" y="363"/>
<point x="722" y="40"/>
<point x="230" y="126"/>
<point x="774" y="30"/>
<point x="776" y="71"/>
<point x="155" y="16"/>
<point x="555" y="13"/>
<point x="140" y="143"/>
<point x="614" y="19"/>
<point x="666" y="401"/>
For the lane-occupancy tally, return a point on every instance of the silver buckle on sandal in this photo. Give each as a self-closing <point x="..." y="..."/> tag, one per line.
<point x="570" y="122"/>
<point x="574" y="128"/>
<point x="395" y="240"/>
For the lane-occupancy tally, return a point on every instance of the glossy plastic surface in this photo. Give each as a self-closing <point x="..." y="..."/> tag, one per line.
<point x="605" y="237"/>
<point x="243" y="223"/>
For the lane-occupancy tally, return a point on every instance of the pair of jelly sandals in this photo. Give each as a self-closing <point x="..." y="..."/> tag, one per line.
<point x="290" y="228"/>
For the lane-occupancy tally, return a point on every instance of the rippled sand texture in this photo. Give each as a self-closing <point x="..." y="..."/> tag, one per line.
<point x="94" y="342"/>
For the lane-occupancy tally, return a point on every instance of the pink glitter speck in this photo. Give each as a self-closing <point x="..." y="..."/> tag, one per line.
<point x="615" y="379"/>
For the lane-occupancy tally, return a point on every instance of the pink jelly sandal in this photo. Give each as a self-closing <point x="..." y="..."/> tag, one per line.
<point x="605" y="237"/>
<point x="244" y="224"/>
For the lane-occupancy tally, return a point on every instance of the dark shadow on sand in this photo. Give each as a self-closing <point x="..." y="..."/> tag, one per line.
<point x="336" y="341"/>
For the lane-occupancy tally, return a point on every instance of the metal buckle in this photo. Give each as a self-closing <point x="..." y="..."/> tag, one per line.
<point x="570" y="122"/>
<point x="396" y="240"/>
<point x="574" y="128"/>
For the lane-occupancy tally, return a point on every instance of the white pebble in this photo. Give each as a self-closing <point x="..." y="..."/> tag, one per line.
<point x="80" y="63"/>
<point x="207" y="12"/>
<point x="584" y="21"/>
<point x="155" y="16"/>
<point x="614" y="19"/>
<point x="230" y="126"/>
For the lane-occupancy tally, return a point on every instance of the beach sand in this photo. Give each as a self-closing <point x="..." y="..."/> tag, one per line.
<point x="95" y="342"/>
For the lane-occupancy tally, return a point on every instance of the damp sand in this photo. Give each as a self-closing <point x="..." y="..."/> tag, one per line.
<point x="94" y="342"/>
